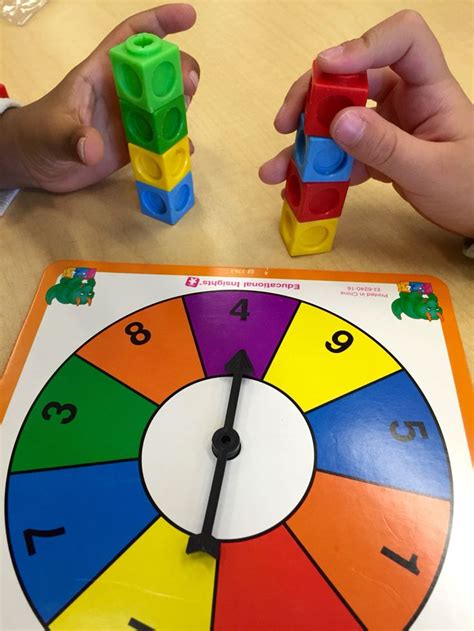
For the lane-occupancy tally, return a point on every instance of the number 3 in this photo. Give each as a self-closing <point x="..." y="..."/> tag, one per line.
<point x="59" y="409"/>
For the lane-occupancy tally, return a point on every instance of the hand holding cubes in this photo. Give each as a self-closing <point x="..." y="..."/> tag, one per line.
<point x="149" y="84"/>
<point x="318" y="175"/>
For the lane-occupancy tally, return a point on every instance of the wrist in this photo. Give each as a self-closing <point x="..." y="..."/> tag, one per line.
<point x="13" y="171"/>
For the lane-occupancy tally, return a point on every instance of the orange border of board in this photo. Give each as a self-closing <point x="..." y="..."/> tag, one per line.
<point x="27" y="335"/>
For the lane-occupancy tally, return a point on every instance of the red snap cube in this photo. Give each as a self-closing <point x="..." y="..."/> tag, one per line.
<point x="330" y="93"/>
<point x="310" y="201"/>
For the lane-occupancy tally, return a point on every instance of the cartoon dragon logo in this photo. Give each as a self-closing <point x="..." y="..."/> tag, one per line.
<point x="72" y="291"/>
<point x="417" y="306"/>
<point x="76" y="287"/>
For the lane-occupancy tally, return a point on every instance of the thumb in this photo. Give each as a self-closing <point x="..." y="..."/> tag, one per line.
<point x="86" y="146"/>
<point x="67" y="140"/>
<point x="379" y="144"/>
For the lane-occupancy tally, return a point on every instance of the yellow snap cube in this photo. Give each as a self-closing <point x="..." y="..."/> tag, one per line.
<point x="161" y="170"/>
<point x="306" y="237"/>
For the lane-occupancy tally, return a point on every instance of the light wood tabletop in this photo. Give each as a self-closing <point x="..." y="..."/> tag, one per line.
<point x="250" y="52"/>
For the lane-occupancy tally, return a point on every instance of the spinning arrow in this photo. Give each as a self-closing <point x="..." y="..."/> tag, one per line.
<point x="225" y="446"/>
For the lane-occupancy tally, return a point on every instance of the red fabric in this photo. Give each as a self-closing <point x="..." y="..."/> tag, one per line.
<point x="3" y="92"/>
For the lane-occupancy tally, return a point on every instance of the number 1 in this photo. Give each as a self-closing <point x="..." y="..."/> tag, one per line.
<point x="140" y="626"/>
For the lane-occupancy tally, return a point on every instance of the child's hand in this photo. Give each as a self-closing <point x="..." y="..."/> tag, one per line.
<point x="74" y="136"/>
<point x="420" y="136"/>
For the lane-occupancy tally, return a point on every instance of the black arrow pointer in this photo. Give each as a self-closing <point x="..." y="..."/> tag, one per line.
<point x="225" y="446"/>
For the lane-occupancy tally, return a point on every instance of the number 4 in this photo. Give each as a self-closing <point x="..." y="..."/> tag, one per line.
<point x="241" y="309"/>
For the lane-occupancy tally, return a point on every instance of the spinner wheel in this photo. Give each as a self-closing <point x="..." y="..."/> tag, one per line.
<point x="334" y="515"/>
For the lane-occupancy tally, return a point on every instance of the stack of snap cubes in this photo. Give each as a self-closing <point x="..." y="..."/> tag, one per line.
<point x="149" y="84"/>
<point x="319" y="172"/>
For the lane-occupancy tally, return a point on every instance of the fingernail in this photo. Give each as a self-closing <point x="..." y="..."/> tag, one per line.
<point x="187" y="100"/>
<point x="81" y="149"/>
<point x="349" y="129"/>
<point x="194" y="78"/>
<point x="332" y="53"/>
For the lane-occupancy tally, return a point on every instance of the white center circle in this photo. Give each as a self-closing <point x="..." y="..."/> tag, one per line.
<point x="262" y="485"/>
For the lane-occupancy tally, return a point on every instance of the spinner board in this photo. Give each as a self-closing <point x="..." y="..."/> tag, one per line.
<point x="252" y="450"/>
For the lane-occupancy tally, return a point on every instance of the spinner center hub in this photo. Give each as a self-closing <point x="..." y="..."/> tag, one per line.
<point x="261" y="487"/>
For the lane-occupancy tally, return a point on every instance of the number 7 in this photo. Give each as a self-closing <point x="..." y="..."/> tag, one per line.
<point x="29" y="533"/>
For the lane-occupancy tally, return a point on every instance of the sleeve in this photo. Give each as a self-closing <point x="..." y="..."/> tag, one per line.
<point x="6" y="104"/>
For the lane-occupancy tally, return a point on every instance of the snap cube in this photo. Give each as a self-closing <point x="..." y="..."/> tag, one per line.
<point x="147" y="71"/>
<point x="320" y="159"/>
<point x="167" y="206"/>
<point x="310" y="237"/>
<point x="314" y="200"/>
<point x="158" y="131"/>
<point x="330" y="93"/>
<point x="162" y="171"/>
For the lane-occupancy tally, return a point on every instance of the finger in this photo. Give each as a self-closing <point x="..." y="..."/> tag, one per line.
<point x="286" y="119"/>
<point x="63" y="139"/>
<point x="89" y="145"/>
<point x="403" y="41"/>
<point x="191" y="74"/>
<point x="359" y="173"/>
<point x="274" y="171"/>
<point x="382" y="146"/>
<point x="378" y="175"/>
<point x="381" y="82"/>
<point x="169" y="18"/>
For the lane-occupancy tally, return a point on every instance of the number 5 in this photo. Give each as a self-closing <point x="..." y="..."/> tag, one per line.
<point x="412" y="427"/>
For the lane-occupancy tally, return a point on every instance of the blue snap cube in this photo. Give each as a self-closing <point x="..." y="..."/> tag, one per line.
<point x="320" y="159"/>
<point x="167" y="206"/>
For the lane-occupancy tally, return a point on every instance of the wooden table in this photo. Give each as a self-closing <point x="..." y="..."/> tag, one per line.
<point x="250" y="52"/>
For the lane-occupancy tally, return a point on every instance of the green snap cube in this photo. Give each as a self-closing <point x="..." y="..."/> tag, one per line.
<point x="147" y="71"/>
<point x="157" y="131"/>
